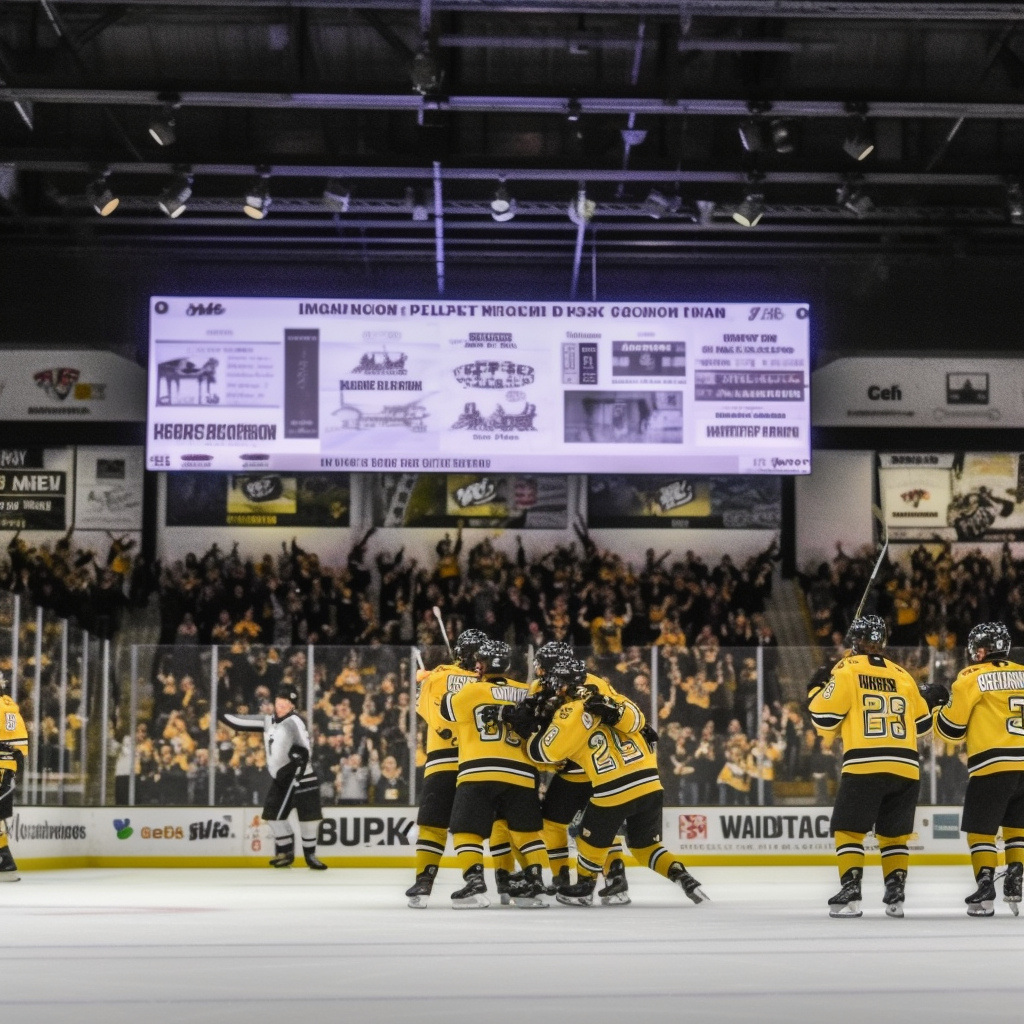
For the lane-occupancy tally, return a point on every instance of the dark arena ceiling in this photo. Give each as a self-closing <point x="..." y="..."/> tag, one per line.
<point x="636" y="129"/>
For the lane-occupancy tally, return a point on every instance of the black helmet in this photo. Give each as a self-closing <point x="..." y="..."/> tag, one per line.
<point x="551" y="653"/>
<point x="467" y="645"/>
<point x="495" y="657"/>
<point x="567" y="675"/>
<point x="288" y="691"/>
<point x="867" y="635"/>
<point x="991" y="637"/>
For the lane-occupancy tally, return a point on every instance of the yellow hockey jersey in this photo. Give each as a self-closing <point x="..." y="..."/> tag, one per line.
<point x="489" y="751"/>
<point x="632" y="721"/>
<point x="986" y="707"/>
<point x="878" y="711"/>
<point x="12" y="731"/>
<point x="442" y="750"/>
<point x="621" y="768"/>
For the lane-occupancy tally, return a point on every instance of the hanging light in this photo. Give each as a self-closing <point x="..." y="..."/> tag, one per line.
<point x="162" y="126"/>
<point x="850" y="197"/>
<point x="257" y="197"/>
<point x="1015" y="203"/>
<point x="174" y="199"/>
<point x="573" y="110"/>
<point x="750" y="211"/>
<point x="705" y="212"/>
<point x="503" y="206"/>
<point x="783" y="136"/>
<point x="860" y="139"/>
<point x="657" y="204"/>
<point x="751" y="135"/>
<point x="337" y="196"/>
<point x="427" y="73"/>
<point x="581" y="209"/>
<point x="100" y="195"/>
<point x="416" y="204"/>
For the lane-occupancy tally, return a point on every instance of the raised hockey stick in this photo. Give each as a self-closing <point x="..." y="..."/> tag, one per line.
<point x="878" y="565"/>
<point x="444" y="632"/>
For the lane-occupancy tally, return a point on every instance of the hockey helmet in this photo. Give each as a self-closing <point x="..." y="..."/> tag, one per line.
<point x="867" y="635"/>
<point x="568" y="675"/>
<point x="551" y="653"/>
<point x="287" y="691"/>
<point x="493" y="658"/>
<point x="466" y="646"/>
<point x="991" y="637"/>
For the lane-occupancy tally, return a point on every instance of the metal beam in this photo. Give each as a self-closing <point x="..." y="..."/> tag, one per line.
<point x="587" y="41"/>
<point x="596" y="105"/>
<point x="848" y="10"/>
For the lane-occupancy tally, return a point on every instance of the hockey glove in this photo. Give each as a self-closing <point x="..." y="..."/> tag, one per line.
<point x="9" y="752"/>
<point x="935" y="695"/>
<point x="604" y="709"/>
<point x="649" y="735"/>
<point x="521" y="718"/>
<point x="818" y="681"/>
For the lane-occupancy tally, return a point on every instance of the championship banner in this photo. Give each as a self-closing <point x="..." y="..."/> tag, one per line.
<point x="501" y="501"/>
<point x="966" y="496"/>
<point x="407" y="386"/>
<point x="258" y="499"/>
<point x="687" y="502"/>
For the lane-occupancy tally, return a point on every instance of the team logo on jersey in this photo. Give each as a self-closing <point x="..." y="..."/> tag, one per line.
<point x="693" y="826"/>
<point x="830" y="689"/>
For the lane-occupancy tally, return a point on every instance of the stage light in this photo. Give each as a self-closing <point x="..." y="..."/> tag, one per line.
<point x="427" y="73"/>
<point x="1015" y="203"/>
<point x="257" y="198"/>
<point x="416" y="204"/>
<point x="174" y="199"/>
<point x="162" y="126"/>
<point x="851" y="198"/>
<point x="573" y="110"/>
<point x="750" y="211"/>
<point x="860" y="140"/>
<point x="503" y="206"/>
<point x="705" y="212"/>
<point x="783" y="136"/>
<point x="101" y="197"/>
<point x="581" y="209"/>
<point x="337" y="196"/>
<point x="752" y="135"/>
<point x="657" y="204"/>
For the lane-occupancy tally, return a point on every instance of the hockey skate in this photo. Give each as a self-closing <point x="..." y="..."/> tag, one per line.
<point x="616" y="891"/>
<point x="501" y="886"/>
<point x="471" y="895"/>
<point x="9" y="870"/>
<point x="559" y="880"/>
<point x="846" y="902"/>
<point x="680" y="876"/>
<point x="895" y="893"/>
<point x="419" y="892"/>
<point x="579" y="895"/>
<point x="314" y="863"/>
<point x="979" y="903"/>
<point x="1012" y="886"/>
<point x="526" y="890"/>
<point x="282" y="860"/>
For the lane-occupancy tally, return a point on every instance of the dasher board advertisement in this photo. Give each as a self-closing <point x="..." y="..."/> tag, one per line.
<point x="477" y="387"/>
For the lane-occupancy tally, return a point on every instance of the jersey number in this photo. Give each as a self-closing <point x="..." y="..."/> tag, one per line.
<point x="493" y="732"/>
<point x="11" y="720"/>
<point x="602" y="757"/>
<point x="885" y="717"/>
<point x="1015" y="724"/>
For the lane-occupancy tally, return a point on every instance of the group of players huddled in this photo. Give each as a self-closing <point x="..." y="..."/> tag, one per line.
<point x="879" y="712"/>
<point x="490" y="735"/>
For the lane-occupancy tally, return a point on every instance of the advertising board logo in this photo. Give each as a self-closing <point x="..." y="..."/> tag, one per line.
<point x="162" y="832"/>
<point x="22" y="831"/>
<point x="123" y="828"/>
<point x="494" y="374"/>
<point x="211" y="829"/>
<point x="382" y="362"/>
<point x="966" y="389"/>
<point x="675" y="494"/>
<point x="946" y="826"/>
<point x="255" y="460"/>
<point x="58" y="382"/>
<point x="480" y="492"/>
<point x="915" y="497"/>
<point x="263" y="488"/>
<point x="371" y="831"/>
<point x="205" y="309"/>
<point x="890" y="394"/>
<point x="693" y="826"/>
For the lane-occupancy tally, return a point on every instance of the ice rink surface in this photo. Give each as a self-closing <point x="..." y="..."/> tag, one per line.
<point x="159" y="946"/>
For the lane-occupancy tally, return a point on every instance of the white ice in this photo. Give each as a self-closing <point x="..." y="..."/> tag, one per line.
<point x="254" y="946"/>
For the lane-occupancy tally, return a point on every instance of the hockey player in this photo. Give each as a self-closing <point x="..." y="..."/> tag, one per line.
<point x="293" y="781"/>
<point x="13" y="752"/>
<point x="442" y="765"/>
<point x="623" y="773"/>
<point x="569" y="790"/>
<point x="496" y="780"/>
<point x="987" y="709"/>
<point x="879" y="712"/>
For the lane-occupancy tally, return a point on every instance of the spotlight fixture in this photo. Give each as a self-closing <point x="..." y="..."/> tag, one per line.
<point x="427" y="73"/>
<point x="573" y="110"/>
<point x="581" y="209"/>
<point x="851" y="198"/>
<point x="783" y="136"/>
<point x="705" y="212"/>
<point x="416" y="204"/>
<point x="1015" y="203"/>
<point x="860" y="140"/>
<point x="657" y="204"/>
<point x="503" y="206"/>
<point x="174" y="199"/>
<point x="751" y="135"/>
<point x="101" y="197"/>
<point x="337" y="196"/>
<point x="161" y="127"/>
<point x="257" y="197"/>
<point x="750" y="211"/>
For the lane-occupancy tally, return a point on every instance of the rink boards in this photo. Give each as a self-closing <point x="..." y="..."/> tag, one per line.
<point x="67" y="837"/>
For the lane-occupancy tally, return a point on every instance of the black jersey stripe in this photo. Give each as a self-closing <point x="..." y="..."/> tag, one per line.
<point x="994" y="755"/>
<point x="860" y="755"/>
<point x="924" y="724"/>
<point x="443" y="755"/>
<point x="949" y="729"/>
<point x="627" y="782"/>
<point x="826" y="721"/>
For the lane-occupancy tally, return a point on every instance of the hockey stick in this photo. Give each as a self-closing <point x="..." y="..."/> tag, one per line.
<point x="444" y="632"/>
<point x="877" y="512"/>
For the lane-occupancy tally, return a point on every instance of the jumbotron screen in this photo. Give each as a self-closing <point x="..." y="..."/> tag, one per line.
<point x="433" y="385"/>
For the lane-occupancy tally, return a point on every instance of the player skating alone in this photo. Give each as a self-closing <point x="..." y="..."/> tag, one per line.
<point x="496" y="780"/>
<point x="441" y="770"/>
<point x="623" y="773"/>
<point x="986" y="708"/>
<point x="569" y="791"/>
<point x="13" y="752"/>
<point x="294" y="783"/>
<point x="879" y="712"/>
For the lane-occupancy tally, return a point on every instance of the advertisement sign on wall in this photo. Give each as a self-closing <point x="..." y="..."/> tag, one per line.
<point x="108" y="488"/>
